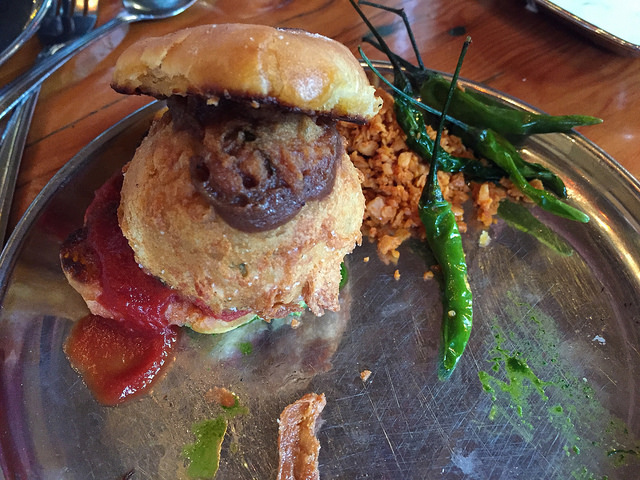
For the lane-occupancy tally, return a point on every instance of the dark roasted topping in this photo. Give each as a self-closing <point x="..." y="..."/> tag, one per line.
<point x="258" y="166"/>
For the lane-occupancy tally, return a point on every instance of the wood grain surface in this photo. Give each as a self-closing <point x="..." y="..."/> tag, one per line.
<point x="529" y="55"/>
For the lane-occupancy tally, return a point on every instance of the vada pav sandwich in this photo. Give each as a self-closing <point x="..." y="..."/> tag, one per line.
<point x="240" y="201"/>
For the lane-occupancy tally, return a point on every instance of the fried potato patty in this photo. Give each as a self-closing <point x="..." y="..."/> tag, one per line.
<point x="177" y="236"/>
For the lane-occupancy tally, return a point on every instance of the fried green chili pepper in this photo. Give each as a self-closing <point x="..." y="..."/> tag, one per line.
<point x="520" y="218"/>
<point x="491" y="145"/>
<point x="475" y="138"/>
<point x="440" y="225"/>
<point x="474" y="110"/>
<point x="445" y="242"/>
<point x="471" y="136"/>
<point x="412" y="123"/>
<point x="496" y="148"/>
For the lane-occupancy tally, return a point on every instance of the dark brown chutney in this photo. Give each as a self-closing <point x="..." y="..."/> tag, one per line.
<point x="258" y="166"/>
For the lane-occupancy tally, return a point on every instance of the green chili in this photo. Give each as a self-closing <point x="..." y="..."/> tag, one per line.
<point x="475" y="138"/>
<point x="412" y="122"/>
<point x="472" y="136"/>
<point x="445" y="242"/>
<point x="491" y="145"/>
<point x="438" y="219"/>
<point x="475" y="110"/>
<point x="520" y="218"/>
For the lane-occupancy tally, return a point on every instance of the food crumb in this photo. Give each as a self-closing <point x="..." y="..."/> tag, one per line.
<point x="396" y="274"/>
<point x="295" y="323"/>
<point x="365" y="259"/>
<point x="428" y="275"/>
<point x="364" y="375"/>
<point x="298" y="445"/>
<point x="221" y="396"/>
<point x="484" y="239"/>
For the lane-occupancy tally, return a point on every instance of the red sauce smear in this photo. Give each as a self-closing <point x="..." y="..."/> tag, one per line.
<point x="121" y="358"/>
<point x="126" y="288"/>
<point x="117" y="363"/>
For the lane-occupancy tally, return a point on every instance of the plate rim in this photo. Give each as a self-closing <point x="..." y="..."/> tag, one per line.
<point x="601" y="36"/>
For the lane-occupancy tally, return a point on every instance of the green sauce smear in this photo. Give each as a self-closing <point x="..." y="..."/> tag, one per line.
<point x="246" y="348"/>
<point x="204" y="453"/>
<point x="528" y="375"/>
<point x="520" y="379"/>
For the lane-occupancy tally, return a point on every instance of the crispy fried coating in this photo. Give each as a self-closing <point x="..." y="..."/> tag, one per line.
<point x="298" y="446"/>
<point x="99" y="265"/>
<point x="177" y="235"/>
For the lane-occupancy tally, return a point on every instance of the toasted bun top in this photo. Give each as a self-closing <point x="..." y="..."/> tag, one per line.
<point x="292" y="68"/>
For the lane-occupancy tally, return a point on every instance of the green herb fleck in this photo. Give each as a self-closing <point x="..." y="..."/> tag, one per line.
<point x="246" y="348"/>
<point x="344" y="275"/>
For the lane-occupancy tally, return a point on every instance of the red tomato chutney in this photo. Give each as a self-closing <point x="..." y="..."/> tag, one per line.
<point x="115" y="362"/>
<point x="120" y="358"/>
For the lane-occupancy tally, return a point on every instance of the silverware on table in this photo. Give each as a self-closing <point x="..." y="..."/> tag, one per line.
<point x="15" y="92"/>
<point x="29" y="20"/>
<point x="133" y="11"/>
<point x="64" y="21"/>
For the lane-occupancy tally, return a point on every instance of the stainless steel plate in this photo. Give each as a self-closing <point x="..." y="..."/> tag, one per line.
<point x="19" y="21"/>
<point x="574" y="320"/>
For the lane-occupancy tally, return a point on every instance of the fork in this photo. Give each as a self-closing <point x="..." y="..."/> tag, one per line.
<point x="66" y="20"/>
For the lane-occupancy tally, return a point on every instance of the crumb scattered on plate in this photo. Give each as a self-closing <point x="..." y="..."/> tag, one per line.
<point x="298" y="446"/>
<point x="484" y="239"/>
<point x="221" y="396"/>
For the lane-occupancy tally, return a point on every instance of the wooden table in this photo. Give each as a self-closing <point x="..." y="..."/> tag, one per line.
<point x="531" y="56"/>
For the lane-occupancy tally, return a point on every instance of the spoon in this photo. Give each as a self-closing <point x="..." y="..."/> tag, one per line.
<point x="132" y="11"/>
